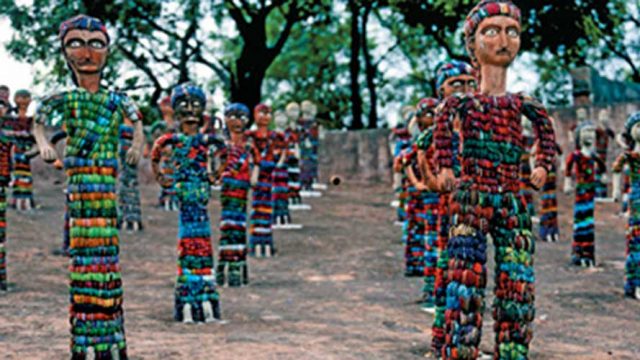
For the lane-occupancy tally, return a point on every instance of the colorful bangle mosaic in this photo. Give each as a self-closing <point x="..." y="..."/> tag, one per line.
<point x="583" y="246"/>
<point x="487" y="201"/>
<point x="92" y="121"/>
<point x="130" y="214"/>
<point x="233" y="268"/>
<point x="196" y="296"/>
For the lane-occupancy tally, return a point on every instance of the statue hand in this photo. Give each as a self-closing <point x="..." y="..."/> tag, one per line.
<point x="567" y="186"/>
<point x="446" y="180"/>
<point x="538" y="177"/>
<point x="133" y="156"/>
<point x="48" y="153"/>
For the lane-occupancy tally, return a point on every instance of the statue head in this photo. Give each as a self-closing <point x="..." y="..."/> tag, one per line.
<point x="603" y="117"/>
<point x="492" y="33"/>
<point x="293" y="111"/>
<point x="581" y="114"/>
<point x="5" y="92"/>
<point x="4" y="106"/>
<point x="407" y="113"/>
<point x="281" y="120"/>
<point x="632" y="127"/>
<point x="188" y="102"/>
<point x="85" y="45"/>
<point x="309" y="110"/>
<point x="425" y="113"/>
<point x="262" y="115"/>
<point x="455" y="77"/>
<point x="236" y="116"/>
<point x="585" y="135"/>
<point x="22" y="98"/>
<point x="165" y="107"/>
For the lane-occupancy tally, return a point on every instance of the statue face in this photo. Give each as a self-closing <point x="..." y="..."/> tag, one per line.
<point x="426" y="118"/>
<point x="309" y="110"/>
<point x="189" y="112"/>
<point x="497" y="41"/>
<point x="459" y="85"/>
<point x="4" y="107"/>
<point x="293" y="111"/>
<point x="281" y="120"/>
<point x="262" y="117"/>
<point x="603" y="117"/>
<point x="635" y="133"/>
<point x="22" y="101"/>
<point x="581" y="114"/>
<point x="587" y="136"/>
<point x="235" y="121"/>
<point x="86" y="51"/>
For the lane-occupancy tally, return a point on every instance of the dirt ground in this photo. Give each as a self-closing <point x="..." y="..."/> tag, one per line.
<point x="335" y="291"/>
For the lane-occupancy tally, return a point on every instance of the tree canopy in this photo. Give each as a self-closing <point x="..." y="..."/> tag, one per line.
<point x="358" y="59"/>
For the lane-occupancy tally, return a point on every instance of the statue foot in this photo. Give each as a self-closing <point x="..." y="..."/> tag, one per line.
<point x="267" y="251"/>
<point x="208" y="311"/>
<point x="258" y="251"/>
<point x="187" y="317"/>
<point x="91" y="353"/>
<point x="115" y="352"/>
<point x="636" y="294"/>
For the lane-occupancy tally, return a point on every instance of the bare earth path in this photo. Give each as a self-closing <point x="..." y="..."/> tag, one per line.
<point x="335" y="291"/>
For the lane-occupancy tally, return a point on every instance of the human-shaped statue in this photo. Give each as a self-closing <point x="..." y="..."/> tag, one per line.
<point x="91" y="116"/>
<point x="21" y="176"/>
<point x="130" y="213"/>
<point x="587" y="164"/>
<point x="454" y="77"/>
<point x="196" y="296"/>
<point x="268" y="144"/>
<point x="549" y="230"/>
<point x="293" y="162"/>
<point x="58" y="136"/>
<point x="234" y="173"/>
<point x="603" y="135"/>
<point x="400" y="139"/>
<point x="486" y="200"/>
<point x="167" y="198"/>
<point x="631" y="158"/>
<point x="8" y="139"/>
<point x="422" y="209"/>
<point x="281" y="213"/>
<point x="309" y="137"/>
<point x="526" y="190"/>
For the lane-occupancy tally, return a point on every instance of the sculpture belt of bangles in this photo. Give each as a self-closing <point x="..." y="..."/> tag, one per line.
<point x="130" y="216"/>
<point x="549" y="208"/>
<point x="196" y="296"/>
<point x="260" y="233"/>
<point x="232" y="251"/>
<point x="91" y="163"/>
<point x="487" y="201"/>
<point x="281" y="192"/>
<point x="583" y="246"/>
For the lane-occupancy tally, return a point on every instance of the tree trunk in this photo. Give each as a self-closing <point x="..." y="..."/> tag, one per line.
<point x="354" y="67"/>
<point x="370" y="71"/>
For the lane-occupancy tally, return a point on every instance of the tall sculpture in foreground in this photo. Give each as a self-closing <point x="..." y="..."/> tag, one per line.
<point x="91" y="117"/>
<point x="486" y="201"/>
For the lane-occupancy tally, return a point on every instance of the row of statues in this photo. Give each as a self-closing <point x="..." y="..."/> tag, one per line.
<point x="105" y="139"/>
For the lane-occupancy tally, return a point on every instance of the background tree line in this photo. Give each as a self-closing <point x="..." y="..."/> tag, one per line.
<point x="352" y="57"/>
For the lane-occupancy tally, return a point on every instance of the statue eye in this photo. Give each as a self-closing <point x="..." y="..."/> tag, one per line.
<point x="472" y="84"/>
<point x="491" y="32"/>
<point x="513" y="32"/>
<point x="74" y="43"/>
<point x="456" y="83"/>
<point x="97" y="44"/>
<point x="196" y="104"/>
